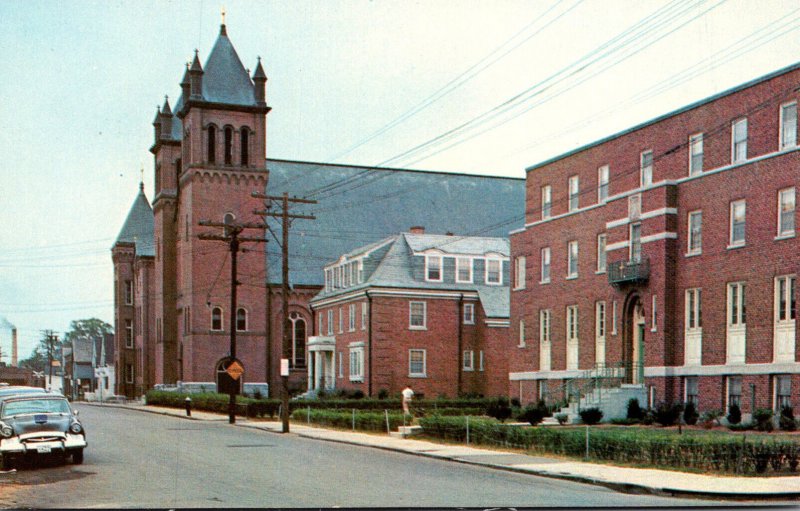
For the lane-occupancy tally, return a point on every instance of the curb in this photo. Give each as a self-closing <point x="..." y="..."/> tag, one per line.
<point x="629" y="488"/>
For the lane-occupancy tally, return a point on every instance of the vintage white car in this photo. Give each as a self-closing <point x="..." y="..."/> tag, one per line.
<point x="39" y="424"/>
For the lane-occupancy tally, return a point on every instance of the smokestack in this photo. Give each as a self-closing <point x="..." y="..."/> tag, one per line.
<point x="13" y="347"/>
<point x="417" y="229"/>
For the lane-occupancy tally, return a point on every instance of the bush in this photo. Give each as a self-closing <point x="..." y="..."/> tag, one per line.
<point x="591" y="416"/>
<point x="634" y="410"/>
<point x="668" y="414"/>
<point x="619" y="421"/>
<point x="383" y="394"/>
<point x="533" y="414"/>
<point x="499" y="408"/>
<point x="786" y="419"/>
<point x="734" y="414"/>
<point x="562" y="418"/>
<point x="648" y="417"/>
<point x="762" y="419"/>
<point x="742" y="426"/>
<point x="690" y="414"/>
<point x="364" y="421"/>
<point x="709" y="418"/>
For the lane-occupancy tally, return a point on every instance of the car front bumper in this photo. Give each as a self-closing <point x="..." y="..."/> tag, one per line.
<point x="17" y="445"/>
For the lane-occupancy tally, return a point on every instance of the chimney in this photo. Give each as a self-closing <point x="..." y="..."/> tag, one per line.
<point x="449" y="233"/>
<point x="417" y="229"/>
<point x="14" y="347"/>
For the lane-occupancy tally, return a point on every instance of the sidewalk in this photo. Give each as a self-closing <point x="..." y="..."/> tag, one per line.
<point x="663" y="482"/>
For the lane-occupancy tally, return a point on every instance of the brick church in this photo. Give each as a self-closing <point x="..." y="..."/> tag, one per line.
<point x="172" y="290"/>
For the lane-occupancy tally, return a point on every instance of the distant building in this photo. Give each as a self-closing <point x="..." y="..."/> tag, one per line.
<point x="666" y="256"/>
<point x="172" y="290"/>
<point x="423" y="310"/>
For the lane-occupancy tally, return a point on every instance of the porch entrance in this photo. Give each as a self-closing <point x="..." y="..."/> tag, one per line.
<point x="321" y="363"/>
<point x="633" y="340"/>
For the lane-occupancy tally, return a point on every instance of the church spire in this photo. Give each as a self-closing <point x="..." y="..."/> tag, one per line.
<point x="222" y="29"/>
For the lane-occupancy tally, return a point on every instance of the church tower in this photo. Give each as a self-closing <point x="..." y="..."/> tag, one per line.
<point x="210" y="154"/>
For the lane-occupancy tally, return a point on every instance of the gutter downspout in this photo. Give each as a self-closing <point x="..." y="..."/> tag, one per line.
<point x="369" y="342"/>
<point x="460" y="365"/>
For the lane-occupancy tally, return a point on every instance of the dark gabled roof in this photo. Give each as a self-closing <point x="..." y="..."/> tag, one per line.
<point x="82" y="350"/>
<point x="378" y="203"/>
<point x="225" y="80"/>
<point x="139" y="226"/>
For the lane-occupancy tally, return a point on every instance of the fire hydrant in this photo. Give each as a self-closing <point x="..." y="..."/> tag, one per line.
<point x="188" y="406"/>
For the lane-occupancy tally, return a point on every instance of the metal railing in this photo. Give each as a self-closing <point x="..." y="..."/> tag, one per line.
<point x="627" y="272"/>
<point x="592" y="383"/>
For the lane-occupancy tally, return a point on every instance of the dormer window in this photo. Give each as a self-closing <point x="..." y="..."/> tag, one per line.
<point x="433" y="268"/>
<point x="228" y="145"/>
<point x="493" y="275"/>
<point x="245" y="142"/>
<point x="464" y="270"/>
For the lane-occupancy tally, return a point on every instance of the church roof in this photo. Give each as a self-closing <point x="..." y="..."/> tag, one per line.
<point x="376" y="203"/>
<point x="225" y="80"/>
<point x="139" y="226"/>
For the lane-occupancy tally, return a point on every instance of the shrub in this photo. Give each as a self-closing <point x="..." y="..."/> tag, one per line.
<point x="533" y="414"/>
<point x="634" y="410"/>
<point x="690" y="414"/>
<point x="562" y="418"/>
<point x="734" y="414"/>
<point x="499" y="408"/>
<point x="667" y="414"/>
<point x="709" y="418"/>
<point x="786" y="419"/>
<point x="620" y="421"/>
<point x="648" y="417"/>
<point x="762" y="419"/>
<point x="742" y="426"/>
<point x="383" y="394"/>
<point x="364" y="421"/>
<point x="591" y="416"/>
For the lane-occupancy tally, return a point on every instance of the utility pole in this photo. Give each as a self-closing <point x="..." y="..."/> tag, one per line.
<point x="285" y="216"/>
<point x="50" y="337"/>
<point x="232" y="236"/>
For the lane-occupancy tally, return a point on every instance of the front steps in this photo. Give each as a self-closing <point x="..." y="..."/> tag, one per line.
<point x="613" y="402"/>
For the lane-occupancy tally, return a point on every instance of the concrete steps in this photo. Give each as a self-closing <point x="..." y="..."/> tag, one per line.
<point x="612" y="401"/>
<point x="406" y="431"/>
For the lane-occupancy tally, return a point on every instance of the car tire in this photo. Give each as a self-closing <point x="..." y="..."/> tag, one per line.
<point x="8" y="462"/>
<point x="77" y="457"/>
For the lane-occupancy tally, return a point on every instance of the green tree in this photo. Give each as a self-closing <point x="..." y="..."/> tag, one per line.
<point x="91" y="328"/>
<point x="38" y="359"/>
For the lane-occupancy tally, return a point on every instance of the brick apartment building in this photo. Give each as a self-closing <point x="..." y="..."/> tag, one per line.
<point x="172" y="290"/>
<point x="423" y="310"/>
<point x="668" y="252"/>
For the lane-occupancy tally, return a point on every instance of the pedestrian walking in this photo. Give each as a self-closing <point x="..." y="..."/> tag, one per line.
<point x="407" y="395"/>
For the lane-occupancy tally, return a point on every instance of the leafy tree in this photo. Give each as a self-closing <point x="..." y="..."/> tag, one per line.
<point x="38" y="359"/>
<point x="91" y="328"/>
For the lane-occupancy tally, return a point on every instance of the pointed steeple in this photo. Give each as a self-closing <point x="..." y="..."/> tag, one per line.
<point x="166" y="119"/>
<point x="196" y="78"/>
<point x="157" y="124"/>
<point x="139" y="225"/>
<point x="225" y="79"/>
<point x="186" y="83"/>
<point x="259" y="84"/>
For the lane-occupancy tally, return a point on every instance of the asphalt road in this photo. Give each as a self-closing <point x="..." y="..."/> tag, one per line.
<point x="137" y="459"/>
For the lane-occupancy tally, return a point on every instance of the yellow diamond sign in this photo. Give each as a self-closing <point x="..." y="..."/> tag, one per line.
<point x="235" y="370"/>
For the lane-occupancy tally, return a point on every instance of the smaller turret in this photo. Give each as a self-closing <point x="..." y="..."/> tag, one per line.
<point x="157" y="124"/>
<point x="196" y="78"/>
<point x="166" y="119"/>
<point x="260" y="84"/>
<point x="186" y="84"/>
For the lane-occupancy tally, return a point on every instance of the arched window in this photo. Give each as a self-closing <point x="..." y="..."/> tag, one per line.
<point x="216" y="318"/>
<point x="228" y="145"/>
<point x="212" y="144"/>
<point x="228" y="219"/>
<point x="241" y="320"/>
<point x="297" y="329"/>
<point x="245" y="142"/>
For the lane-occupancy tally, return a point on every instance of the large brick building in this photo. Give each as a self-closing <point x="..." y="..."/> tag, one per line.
<point x="172" y="290"/>
<point x="423" y="310"/>
<point x="667" y="252"/>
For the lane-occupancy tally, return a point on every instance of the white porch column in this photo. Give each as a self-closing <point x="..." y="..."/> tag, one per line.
<point x="317" y="369"/>
<point x="310" y="372"/>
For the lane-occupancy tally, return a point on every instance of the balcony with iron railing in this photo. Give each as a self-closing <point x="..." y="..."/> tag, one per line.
<point x="629" y="272"/>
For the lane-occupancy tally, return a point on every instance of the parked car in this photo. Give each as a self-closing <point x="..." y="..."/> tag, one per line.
<point x="13" y="390"/>
<point x="33" y="425"/>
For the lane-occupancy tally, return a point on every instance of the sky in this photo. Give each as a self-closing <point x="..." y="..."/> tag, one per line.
<point x="484" y="87"/>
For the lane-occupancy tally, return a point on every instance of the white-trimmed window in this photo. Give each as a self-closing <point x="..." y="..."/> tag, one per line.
<point x="216" y="318"/>
<point x="646" y="168"/>
<point x="694" y="315"/>
<point x="320" y="322"/>
<point x="357" y="364"/>
<point x="572" y="259"/>
<point x="469" y="313"/>
<point x="341" y="320"/>
<point x="602" y="183"/>
<point x="547" y="201"/>
<point x="654" y="315"/>
<point x="695" y="154"/>
<point x="480" y="360"/>
<point x="330" y="321"/>
<point x="521" y="343"/>
<point x="468" y="360"/>
<point x="464" y="270"/>
<point x="789" y="125"/>
<point x="600" y="319"/>
<point x="519" y="272"/>
<point x="128" y="373"/>
<point x="737" y="306"/>
<point x="734" y="391"/>
<point x="545" y="272"/>
<point x="786" y="202"/>
<point x="737" y="223"/>
<point x="691" y="389"/>
<point x="351" y="323"/>
<point x="544" y="325"/>
<point x="128" y="292"/>
<point x="574" y="193"/>
<point x="739" y="141"/>
<point x="417" y="363"/>
<point x="340" y="357"/>
<point x="783" y="391"/>
<point x="417" y="315"/>
<point x="128" y="333"/>
<point x="364" y="315"/>
<point x="635" y="246"/>
<point x="572" y="322"/>
<point x="241" y="319"/>
<point x="695" y="229"/>
<point x="786" y="307"/>
<point x="433" y="268"/>
<point x="360" y="271"/>
<point x="298" y="339"/>
<point x="602" y="259"/>
<point x="493" y="274"/>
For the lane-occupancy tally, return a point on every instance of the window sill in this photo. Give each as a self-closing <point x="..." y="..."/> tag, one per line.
<point x="542" y="282"/>
<point x="494" y="283"/>
<point x="467" y="370"/>
<point x="520" y="345"/>
<point x="738" y="245"/>
<point x="518" y="288"/>
<point x="570" y="277"/>
<point x="358" y="379"/>
<point x="469" y="322"/>
<point x="694" y="254"/>
<point x="600" y="272"/>
<point x="417" y="328"/>
<point x="417" y="375"/>
<point x="464" y="281"/>
<point x="784" y="237"/>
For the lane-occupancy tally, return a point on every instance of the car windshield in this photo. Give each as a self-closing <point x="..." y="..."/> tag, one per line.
<point x="30" y="406"/>
<point x="10" y="391"/>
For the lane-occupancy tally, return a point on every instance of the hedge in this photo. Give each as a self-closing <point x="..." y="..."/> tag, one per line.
<point x="213" y="402"/>
<point x="364" y="421"/>
<point x="704" y="452"/>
